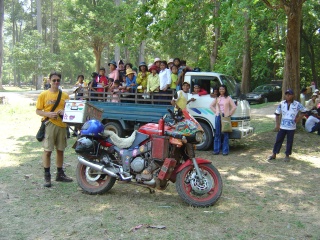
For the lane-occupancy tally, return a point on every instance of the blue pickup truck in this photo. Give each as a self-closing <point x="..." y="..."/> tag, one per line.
<point x="137" y="109"/>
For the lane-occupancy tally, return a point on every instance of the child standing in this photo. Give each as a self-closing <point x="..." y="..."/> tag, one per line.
<point x="174" y="77"/>
<point x="115" y="90"/>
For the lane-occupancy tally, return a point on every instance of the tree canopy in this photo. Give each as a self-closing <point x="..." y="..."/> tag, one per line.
<point x="250" y="40"/>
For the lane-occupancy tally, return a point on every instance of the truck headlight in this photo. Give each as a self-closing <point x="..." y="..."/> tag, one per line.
<point x="199" y="137"/>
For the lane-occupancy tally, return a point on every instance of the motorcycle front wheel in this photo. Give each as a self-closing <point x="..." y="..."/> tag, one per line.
<point x="198" y="193"/>
<point x="93" y="182"/>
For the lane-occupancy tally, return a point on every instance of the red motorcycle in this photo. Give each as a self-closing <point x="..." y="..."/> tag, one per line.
<point x="150" y="157"/>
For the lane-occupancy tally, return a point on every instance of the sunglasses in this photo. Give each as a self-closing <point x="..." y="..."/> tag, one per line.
<point x="55" y="80"/>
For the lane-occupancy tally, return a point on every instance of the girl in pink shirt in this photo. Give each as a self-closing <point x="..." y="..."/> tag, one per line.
<point x="222" y="105"/>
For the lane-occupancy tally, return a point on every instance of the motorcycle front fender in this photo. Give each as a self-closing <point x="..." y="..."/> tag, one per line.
<point x="186" y="164"/>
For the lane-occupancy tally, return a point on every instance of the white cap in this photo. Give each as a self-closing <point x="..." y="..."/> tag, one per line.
<point x="314" y="111"/>
<point x="317" y="90"/>
<point x="157" y="60"/>
<point x="170" y="60"/>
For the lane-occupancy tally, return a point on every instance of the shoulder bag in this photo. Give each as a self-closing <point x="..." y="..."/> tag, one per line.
<point x="42" y="129"/>
<point x="225" y="122"/>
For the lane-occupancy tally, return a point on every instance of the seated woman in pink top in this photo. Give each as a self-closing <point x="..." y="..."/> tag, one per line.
<point x="223" y="105"/>
<point x="114" y="73"/>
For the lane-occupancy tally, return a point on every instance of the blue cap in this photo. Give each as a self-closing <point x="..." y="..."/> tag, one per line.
<point x="289" y="91"/>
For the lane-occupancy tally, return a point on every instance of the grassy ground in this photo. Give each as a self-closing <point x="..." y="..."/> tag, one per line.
<point x="260" y="200"/>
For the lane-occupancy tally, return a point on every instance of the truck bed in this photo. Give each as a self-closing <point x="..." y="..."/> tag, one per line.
<point x="133" y="112"/>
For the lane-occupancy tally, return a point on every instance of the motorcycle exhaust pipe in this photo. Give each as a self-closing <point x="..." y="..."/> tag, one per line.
<point x="97" y="167"/>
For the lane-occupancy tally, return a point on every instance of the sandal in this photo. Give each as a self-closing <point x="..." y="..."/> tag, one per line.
<point x="271" y="158"/>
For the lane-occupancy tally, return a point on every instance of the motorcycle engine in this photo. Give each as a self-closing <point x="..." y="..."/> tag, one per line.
<point x="138" y="164"/>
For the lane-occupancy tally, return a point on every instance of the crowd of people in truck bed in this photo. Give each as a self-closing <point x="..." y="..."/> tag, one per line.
<point x="159" y="78"/>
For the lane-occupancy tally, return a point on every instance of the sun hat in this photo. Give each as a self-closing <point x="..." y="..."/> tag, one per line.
<point x="314" y="111"/>
<point x="157" y="60"/>
<point x="153" y="67"/>
<point x="142" y="64"/>
<point x="170" y="60"/>
<point x="314" y="94"/>
<point x="129" y="71"/>
<point x="113" y="63"/>
<point x="289" y="91"/>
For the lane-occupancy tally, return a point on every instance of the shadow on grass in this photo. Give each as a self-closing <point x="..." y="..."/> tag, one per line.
<point x="261" y="200"/>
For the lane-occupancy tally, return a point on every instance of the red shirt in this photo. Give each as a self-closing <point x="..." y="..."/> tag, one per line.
<point x="100" y="80"/>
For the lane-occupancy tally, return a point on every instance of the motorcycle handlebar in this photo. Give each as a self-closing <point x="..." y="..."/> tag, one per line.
<point x="175" y="135"/>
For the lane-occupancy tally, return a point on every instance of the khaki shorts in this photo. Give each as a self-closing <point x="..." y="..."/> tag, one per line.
<point x="54" y="137"/>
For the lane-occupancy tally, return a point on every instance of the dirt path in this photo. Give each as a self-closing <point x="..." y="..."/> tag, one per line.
<point x="265" y="111"/>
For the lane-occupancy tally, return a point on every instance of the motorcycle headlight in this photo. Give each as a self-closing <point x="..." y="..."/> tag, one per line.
<point x="199" y="137"/>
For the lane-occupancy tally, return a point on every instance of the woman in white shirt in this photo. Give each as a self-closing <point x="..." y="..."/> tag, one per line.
<point x="165" y="80"/>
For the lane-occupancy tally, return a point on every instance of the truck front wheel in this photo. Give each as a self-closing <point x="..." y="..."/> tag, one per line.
<point x="207" y="138"/>
<point x="114" y="127"/>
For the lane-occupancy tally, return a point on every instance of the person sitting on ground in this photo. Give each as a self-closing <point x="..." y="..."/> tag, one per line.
<point x="312" y="103"/>
<point x="313" y="122"/>
<point x="198" y="90"/>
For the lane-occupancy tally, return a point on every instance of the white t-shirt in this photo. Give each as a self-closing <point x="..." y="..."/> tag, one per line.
<point x="165" y="78"/>
<point x="289" y="113"/>
<point x="311" y="121"/>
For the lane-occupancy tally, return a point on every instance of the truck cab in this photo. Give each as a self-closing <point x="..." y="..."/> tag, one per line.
<point x="200" y="108"/>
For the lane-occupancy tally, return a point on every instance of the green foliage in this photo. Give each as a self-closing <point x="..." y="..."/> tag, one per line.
<point x="82" y="31"/>
<point x="32" y="57"/>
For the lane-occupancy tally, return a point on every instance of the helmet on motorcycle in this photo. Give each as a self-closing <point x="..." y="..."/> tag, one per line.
<point x="92" y="128"/>
<point x="84" y="145"/>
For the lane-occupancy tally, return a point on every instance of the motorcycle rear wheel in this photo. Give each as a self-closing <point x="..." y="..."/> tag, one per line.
<point x="200" y="195"/>
<point x="101" y="185"/>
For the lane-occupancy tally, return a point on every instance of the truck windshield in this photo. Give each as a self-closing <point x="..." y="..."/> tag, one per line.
<point x="231" y="85"/>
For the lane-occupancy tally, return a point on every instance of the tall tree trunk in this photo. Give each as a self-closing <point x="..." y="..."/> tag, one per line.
<point x="117" y="47"/>
<point x="310" y="50"/>
<point x="97" y="50"/>
<point x="1" y="40"/>
<point x="142" y="48"/>
<point x="51" y="26"/>
<point x="216" y="35"/>
<point x="13" y="44"/>
<point x="291" y="78"/>
<point x="39" y="28"/>
<point x="246" y="64"/>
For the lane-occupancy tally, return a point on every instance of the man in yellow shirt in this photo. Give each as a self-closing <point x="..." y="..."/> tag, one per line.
<point x="55" y="133"/>
<point x="180" y="99"/>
